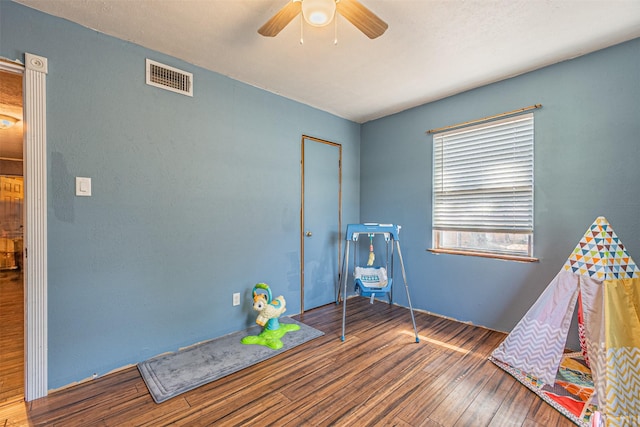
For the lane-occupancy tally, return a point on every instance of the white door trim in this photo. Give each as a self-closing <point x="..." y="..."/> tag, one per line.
<point x="35" y="247"/>
<point x="35" y="114"/>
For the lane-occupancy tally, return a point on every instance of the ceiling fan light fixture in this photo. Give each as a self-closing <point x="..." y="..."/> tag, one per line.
<point x="7" y="121"/>
<point x="318" y="13"/>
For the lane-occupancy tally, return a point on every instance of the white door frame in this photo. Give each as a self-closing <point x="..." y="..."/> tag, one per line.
<point x="35" y="248"/>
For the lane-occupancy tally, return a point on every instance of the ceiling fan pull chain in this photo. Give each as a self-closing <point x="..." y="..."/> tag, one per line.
<point x="335" y="37"/>
<point x="301" y="30"/>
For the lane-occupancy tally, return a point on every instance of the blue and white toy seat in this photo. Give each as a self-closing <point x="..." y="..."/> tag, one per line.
<point x="371" y="281"/>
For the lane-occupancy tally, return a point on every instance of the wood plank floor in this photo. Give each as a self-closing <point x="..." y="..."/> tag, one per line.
<point x="11" y="337"/>
<point x="379" y="376"/>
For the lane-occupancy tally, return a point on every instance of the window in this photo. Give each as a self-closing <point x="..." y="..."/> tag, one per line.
<point x="483" y="189"/>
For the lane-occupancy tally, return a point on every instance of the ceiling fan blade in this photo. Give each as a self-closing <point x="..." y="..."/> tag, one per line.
<point x="280" y="20"/>
<point x="362" y="18"/>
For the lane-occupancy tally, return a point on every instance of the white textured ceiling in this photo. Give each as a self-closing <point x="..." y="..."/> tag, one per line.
<point x="432" y="49"/>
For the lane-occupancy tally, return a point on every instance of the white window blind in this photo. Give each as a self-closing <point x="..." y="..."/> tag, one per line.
<point x="483" y="177"/>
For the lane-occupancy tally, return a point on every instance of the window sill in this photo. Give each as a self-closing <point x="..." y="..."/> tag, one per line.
<point x="484" y="255"/>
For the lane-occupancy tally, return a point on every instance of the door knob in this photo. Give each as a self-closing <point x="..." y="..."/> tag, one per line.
<point x="308" y="233"/>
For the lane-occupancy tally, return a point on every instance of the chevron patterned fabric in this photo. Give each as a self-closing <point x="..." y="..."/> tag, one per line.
<point x="605" y="280"/>
<point x="535" y="348"/>
<point x="623" y="388"/>
<point x="536" y="343"/>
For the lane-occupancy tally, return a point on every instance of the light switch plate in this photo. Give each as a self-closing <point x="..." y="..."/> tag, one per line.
<point x="83" y="186"/>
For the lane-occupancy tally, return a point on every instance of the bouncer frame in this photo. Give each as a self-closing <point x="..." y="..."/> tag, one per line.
<point x="391" y="233"/>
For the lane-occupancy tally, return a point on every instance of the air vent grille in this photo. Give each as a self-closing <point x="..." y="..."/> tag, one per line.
<point x="169" y="78"/>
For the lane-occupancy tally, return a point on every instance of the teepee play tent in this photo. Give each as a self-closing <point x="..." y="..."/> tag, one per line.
<point x="605" y="282"/>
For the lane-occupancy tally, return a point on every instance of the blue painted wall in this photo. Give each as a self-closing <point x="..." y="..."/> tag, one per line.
<point x="587" y="151"/>
<point x="197" y="198"/>
<point x="193" y="198"/>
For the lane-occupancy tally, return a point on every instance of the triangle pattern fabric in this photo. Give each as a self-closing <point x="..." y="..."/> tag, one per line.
<point x="601" y="255"/>
<point x="604" y="279"/>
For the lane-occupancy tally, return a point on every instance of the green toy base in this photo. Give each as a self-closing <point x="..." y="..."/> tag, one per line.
<point x="271" y="338"/>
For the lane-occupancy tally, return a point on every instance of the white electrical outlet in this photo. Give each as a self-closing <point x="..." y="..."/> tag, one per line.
<point x="236" y="299"/>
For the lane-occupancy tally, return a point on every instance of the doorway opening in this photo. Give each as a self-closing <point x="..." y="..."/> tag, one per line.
<point x="12" y="227"/>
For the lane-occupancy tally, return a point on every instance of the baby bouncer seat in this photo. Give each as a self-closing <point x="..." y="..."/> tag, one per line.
<point x="372" y="281"/>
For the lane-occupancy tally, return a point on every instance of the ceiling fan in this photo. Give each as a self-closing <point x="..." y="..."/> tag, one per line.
<point x="319" y="13"/>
